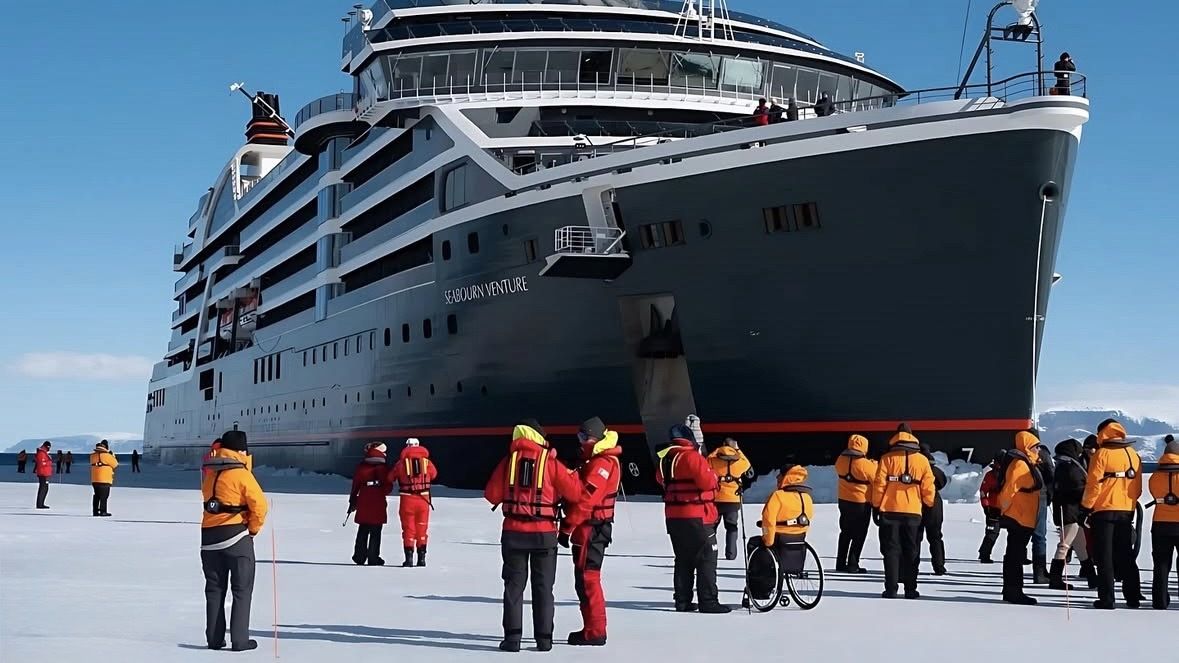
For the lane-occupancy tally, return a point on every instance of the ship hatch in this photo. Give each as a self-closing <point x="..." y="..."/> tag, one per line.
<point x="596" y="250"/>
<point x="663" y="341"/>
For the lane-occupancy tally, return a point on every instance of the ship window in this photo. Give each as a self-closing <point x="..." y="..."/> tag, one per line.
<point x="642" y="66"/>
<point x="313" y="354"/>
<point x="562" y="67"/>
<point x="255" y="371"/>
<point x="705" y="229"/>
<point x="372" y="340"/>
<point x="220" y="382"/>
<point x="409" y="392"/>
<point x="405" y="333"/>
<point x="483" y="390"/>
<point x="323" y="402"/>
<point x="446" y="249"/>
<point x="452" y="324"/>
<point x="806" y="216"/>
<point x="358" y="397"/>
<point x="530" y="66"/>
<point x="530" y="250"/>
<point x="454" y="184"/>
<point x="372" y="395"/>
<point x="407" y="72"/>
<point x="335" y="350"/>
<point x="389" y="393"/>
<point x="650" y="236"/>
<point x="434" y="70"/>
<point x="595" y="67"/>
<point x="498" y="67"/>
<point x="277" y="366"/>
<point x="808" y="85"/>
<point x="462" y="68"/>
<point x="387" y="337"/>
<point x="473" y="242"/>
<point x="505" y="229"/>
<point x="673" y="233"/>
<point x="740" y="74"/>
<point x="782" y="80"/>
<point x="774" y="218"/>
<point x="304" y="357"/>
<point x="694" y="70"/>
<point x="304" y="405"/>
<point x="427" y="328"/>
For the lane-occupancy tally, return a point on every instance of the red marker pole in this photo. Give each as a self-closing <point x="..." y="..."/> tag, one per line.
<point x="274" y="576"/>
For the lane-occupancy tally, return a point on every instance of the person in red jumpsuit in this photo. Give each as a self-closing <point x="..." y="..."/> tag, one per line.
<point x="589" y="524"/>
<point x="413" y="473"/>
<point x="370" y="488"/>
<point x="43" y="468"/>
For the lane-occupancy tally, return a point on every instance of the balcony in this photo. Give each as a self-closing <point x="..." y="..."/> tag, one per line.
<point x="324" y="117"/>
<point x="587" y="252"/>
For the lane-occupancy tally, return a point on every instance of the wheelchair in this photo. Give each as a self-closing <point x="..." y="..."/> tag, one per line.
<point x="774" y="580"/>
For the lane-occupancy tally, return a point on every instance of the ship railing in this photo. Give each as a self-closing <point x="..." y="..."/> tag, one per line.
<point x="600" y="240"/>
<point x="983" y="95"/>
<point x="326" y="104"/>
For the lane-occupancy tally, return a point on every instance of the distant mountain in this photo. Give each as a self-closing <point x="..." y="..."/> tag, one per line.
<point x="120" y="442"/>
<point x="1057" y="425"/>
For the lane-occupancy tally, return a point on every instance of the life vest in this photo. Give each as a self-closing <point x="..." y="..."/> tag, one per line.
<point x="1171" y="498"/>
<point x="214" y="505"/>
<point x="904" y="478"/>
<point x="681" y="490"/>
<point x="415" y="476"/>
<point x="801" y="520"/>
<point x="1127" y="474"/>
<point x="528" y="496"/>
<point x="1033" y="470"/>
<point x="851" y="460"/>
<point x="604" y="511"/>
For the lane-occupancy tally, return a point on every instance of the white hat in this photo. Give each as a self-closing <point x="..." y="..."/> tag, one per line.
<point x="380" y="446"/>
<point x="412" y="442"/>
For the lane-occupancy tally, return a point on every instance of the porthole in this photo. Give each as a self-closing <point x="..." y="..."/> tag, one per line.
<point x="389" y="394"/>
<point x="705" y="229"/>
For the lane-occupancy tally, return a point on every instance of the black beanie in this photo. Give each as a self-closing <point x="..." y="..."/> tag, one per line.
<point x="1090" y="442"/>
<point x="533" y="424"/>
<point x="904" y="428"/>
<point x="594" y="428"/>
<point x="234" y="440"/>
<point x="1169" y="439"/>
<point x="681" y="432"/>
<point x="104" y="444"/>
<point x="1106" y="423"/>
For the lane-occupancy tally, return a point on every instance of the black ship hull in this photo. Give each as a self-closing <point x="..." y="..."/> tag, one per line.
<point x="915" y="292"/>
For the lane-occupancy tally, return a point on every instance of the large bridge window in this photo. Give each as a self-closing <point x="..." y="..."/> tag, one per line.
<point x="596" y="67"/>
<point x="562" y="67"/>
<point x="462" y="69"/>
<point x="741" y="75"/>
<point x="497" y="65"/>
<point x="434" y="70"/>
<point x="807" y="88"/>
<point x="454" y="188"/>
<point x="642" y="66"/>
<point x="782" y="80"/>
<point x="407" y="72"/>
<point x="697" y="70"/>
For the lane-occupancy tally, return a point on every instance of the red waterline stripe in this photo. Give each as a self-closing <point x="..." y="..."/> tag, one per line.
<point x="918" y="425"/>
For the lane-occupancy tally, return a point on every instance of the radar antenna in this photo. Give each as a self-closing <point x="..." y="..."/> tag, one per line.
<point x="258" y="101"/>
<point x="702" y="23"/>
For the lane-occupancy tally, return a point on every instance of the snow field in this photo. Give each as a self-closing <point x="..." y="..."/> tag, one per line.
<point x="129" y="588"/>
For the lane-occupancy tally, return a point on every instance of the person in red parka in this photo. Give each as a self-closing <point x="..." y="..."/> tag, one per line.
<point x="988" y="494"/>
<point x="689" y="490"/>
<point x="413" y="474"/>
<point x="43" y="468"/>
<point x="530" y="484"/>
<point x="590" y="525"/>
<point x="370" y="487"/>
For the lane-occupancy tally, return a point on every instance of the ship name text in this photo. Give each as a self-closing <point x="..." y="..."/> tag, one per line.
<point x="486" y="290"/>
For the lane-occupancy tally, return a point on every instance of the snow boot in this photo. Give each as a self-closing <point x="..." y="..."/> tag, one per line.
<point x="376" y="561"/>
<point x="888" y="594"/>
<point x="843" y="553"/>
<point x="509" y="645"/>
<point x="985" y="558"/>
<point x="856" y="569"/>
<point x="1019" y="599"/>
<point x="1056" y="576"/>
<point x="1103" y="604"/>
<point x="912" y="594"/>
<point x="409" y="562"/>
<point x="358" y="560"/>
<point x="105" y="514"/>
<point x="544" y="643"/>
<point x="579" y="639"/>
<point x="1040" y="571"/>
<point x="715" y="609"/>
<point x="245" y="646"/>
<point x="422" y="556"/>
<point x="685" y="607"/>
<point x="1089" y="573"/>
<point x="216" y="647"/>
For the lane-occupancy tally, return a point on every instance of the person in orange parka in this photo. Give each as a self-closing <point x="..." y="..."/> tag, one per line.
<point x="855" y="472"/>
<point x="589" y="525"/>
<point x="787" y="515"/>
<point x="730" y="466"/>
<point x="1112" y="489"/>
<point x="371" y="486"/>
<point x="1019" y="505"/>
<point x="414" y="472"/>
<point x="1164" y="530"/>
<point x="903" y="485"/>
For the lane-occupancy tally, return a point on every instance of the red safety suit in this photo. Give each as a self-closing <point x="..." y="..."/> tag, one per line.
<point x="414" y="472"/>
<point x="590" y="524"/>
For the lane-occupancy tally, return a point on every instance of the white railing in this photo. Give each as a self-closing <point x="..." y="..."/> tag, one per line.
<point x="599" y="240"/>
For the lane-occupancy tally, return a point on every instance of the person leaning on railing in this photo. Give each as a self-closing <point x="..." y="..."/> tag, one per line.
<point x="1063" y="67"/>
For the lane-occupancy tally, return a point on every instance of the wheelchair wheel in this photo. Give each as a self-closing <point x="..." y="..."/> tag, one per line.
<point x="765" y="559"/>
<point x="806" y="585"/>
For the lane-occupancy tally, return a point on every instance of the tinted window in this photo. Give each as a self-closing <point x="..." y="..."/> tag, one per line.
<point x="694" y="70"/>
<point x="642" y="66"/>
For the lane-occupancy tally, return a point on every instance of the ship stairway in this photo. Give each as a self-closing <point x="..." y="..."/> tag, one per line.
<point x="587" y="252"/>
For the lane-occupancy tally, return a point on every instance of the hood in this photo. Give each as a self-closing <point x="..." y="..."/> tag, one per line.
<point x="1171" y="448"/>
<point x="224" y="459"/>
<point x="857" y="445"/>
<point x="725" y="453"/>
<point x="903" y="437"/>
<point x="607" y="445"/>
<point x="1111" y="433"/>
<point x="1026" y="443"/>
<point x="375" y="451"/>
<point x="795" y="476"/>
<point x="526" y="432"/>
<point x="101" y="448"/>
<point x="414" y="452"/>
<point x="1070" y="448"/>
<point x="1170" y="458"/>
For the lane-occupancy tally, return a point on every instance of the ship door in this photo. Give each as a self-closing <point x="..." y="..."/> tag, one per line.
<point x="660" y="367"/>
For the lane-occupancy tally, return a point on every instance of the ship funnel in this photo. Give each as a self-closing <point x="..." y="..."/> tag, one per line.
<point x="266" y="126"/>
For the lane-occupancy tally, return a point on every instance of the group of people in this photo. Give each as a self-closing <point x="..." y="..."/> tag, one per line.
<point x="771" y="112"/>
<point x="102" y="473"/>
<point x="372" y="483"/>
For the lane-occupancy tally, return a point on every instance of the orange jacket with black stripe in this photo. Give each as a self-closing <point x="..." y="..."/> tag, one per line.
<point x="1019" y="498"/>
<point x="890" y="493"/>
<point x="790" y="509"/>
<point x="230" y="480"/>
<point x="855" y="471"/>
<point x="1114" y="483"/>
<point x="728" y="463"/>
<point x="1164" y="482"/>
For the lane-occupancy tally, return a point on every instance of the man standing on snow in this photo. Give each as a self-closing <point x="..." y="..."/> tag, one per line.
<point x="730" y="466"/>
<point x="234" y="511"/>
<point x="1112" y="489"/>
<point x="135" y="460"/>
<point x="102" y="476"/>
<point x="1019" y="500"/>
<point x="368" y="498"/>
<point x="903" y="487"/>
<point x="414" y="473"/>
<point x="933" y="517"/>
<point x="43" y="468"/>
<point x="69" y="461"/>
<point x="855" y="472"/>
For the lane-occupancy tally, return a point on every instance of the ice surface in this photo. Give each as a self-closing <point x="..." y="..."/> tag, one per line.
<point x="128" y="589"/>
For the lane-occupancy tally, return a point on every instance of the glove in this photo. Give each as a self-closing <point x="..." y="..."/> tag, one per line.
<point x="1083" y="517"/>
<point x="351" y="506"/>
<point x="563" y="540"/>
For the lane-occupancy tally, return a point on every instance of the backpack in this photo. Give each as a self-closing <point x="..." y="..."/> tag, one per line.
<point x="527" y="496"/>
<point x="1005" y="463"/>
<point x="417" y="475"/>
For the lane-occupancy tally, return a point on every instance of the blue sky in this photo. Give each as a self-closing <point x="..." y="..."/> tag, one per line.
<point x="118" y="117"/>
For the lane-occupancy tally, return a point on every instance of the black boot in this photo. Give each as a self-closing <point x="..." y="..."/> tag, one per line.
<point x="842" y="552"/>
<point x="685" y="607"/>
<point x="509" y="645"/>
<point x="245" y="646"/>
<point x="422" y="556"/>
<point x="1013" y="583"/>
<point x="409" y="562"/>
<point x="1056" y="576"/>
<point x="1040" y="571"/>
<point x="1089" y="573"/>
<point x="544" y="643"/>
<point x="731" y="545"/>
<point x="937" y="557"/>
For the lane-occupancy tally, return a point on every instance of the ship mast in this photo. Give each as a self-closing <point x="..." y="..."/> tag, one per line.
<point x="703" y="21"/>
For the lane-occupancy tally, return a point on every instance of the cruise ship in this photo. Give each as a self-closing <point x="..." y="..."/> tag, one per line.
<point x="565" y="209"/>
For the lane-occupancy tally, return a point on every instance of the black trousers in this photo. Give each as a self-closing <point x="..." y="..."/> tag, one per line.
<point x="42" y="490"/>
<point x="102" y="491"/>
<point x="20" y="466"/>
<point x="134" y="464"/>
<point x="694" y="546"/>
<point x="68" y="466"/>
<point x="991" y="533"/>
<point x="1113" y="550"/>
<point x="730" y="513"/>
<point x="523" y="564"/>
<point x="932" y="519"/>
<point x="1164" y="544"/>
<point x="901" y="547"/>
<point x="231" y="569"/>
<point x="1018" y="538"/>
<point x="854" y="519"/>
<point x="368" y="544"/>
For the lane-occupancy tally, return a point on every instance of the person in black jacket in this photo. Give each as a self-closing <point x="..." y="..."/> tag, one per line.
<point x="1063" y="67"/>
<point x="1068" y="488"/>
<point x="932" y="517"/>
<point x="1047" y="470"/>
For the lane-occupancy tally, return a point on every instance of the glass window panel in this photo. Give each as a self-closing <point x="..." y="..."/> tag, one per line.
<point x="642" y="66"/>
<point x="808" y="85"/>
<point x="847" y="87"/>
<point x="782" y="81"/>
<point x="462" y="68"/>
<point x="434" y="70"/>
<point x="530" y="66"/>
<point x="742" y="74"/>
<point x="498" y="66"/>
<point x="562" y="67"/>
<point x="595" y="67"/>
<point x="407" y="72"/>
<point x="694" y="69"/>
<point x="828" y="84"/>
